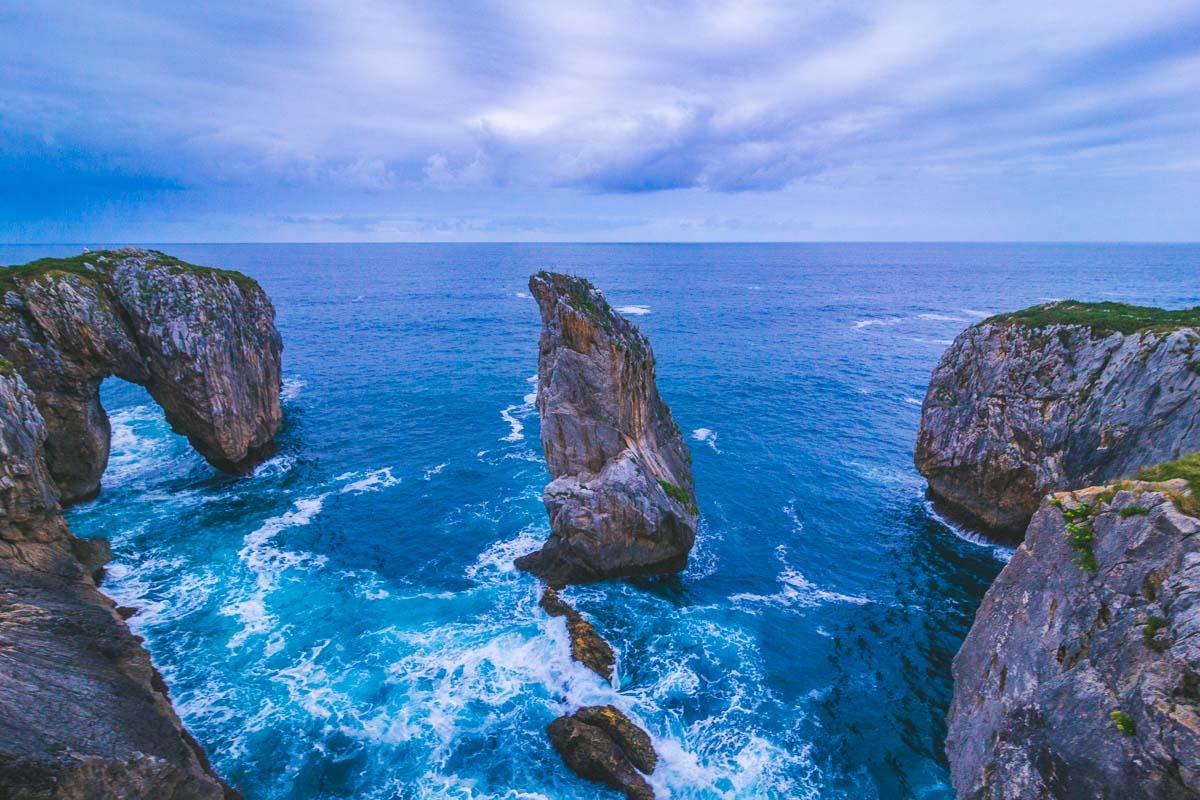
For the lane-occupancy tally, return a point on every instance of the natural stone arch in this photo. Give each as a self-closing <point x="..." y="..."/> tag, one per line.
<point x="201" y="341"/>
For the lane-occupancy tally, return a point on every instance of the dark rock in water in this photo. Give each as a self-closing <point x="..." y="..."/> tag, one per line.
<point x="202" y="341"/>
<point x="587" y="647"/>
<point x="594" y="755"/>
<point x="632" y="740"/>
<point x="1081" y="675"/>
<point x="83" y="713"/>
<point x="622" y="500"/>
<point x="1057" y="397"/>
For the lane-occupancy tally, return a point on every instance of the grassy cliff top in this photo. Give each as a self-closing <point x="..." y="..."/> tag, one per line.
<point x="1103" y="317"/>
<point x="1187" y="468"/>
<point x="88" y="264"/>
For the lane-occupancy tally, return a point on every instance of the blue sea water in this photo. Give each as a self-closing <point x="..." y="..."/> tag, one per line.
<point x="346" y="623"/>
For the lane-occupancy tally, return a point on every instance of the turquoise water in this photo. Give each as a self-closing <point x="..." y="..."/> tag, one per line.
<point x="347" y="623"/>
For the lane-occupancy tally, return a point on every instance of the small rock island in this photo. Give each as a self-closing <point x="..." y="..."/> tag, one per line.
<point x="1054" y="397"/>
<point x="83" y="711"/>
<point x="622" y="502"/>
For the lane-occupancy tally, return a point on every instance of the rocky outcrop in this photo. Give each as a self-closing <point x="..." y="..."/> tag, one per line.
<point x="601" y="744"/>
<point x="622" y="500"/>
<point x="587" y="647"/>
<point x="83" y="712"/>
<point x="1057" y="397"/>
<point x="202" y="341"/>
<point x="1081" y="675"/>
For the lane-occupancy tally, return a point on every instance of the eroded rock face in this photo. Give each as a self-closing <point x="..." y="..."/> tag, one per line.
<point x="83" y="713"/>
<point x="202" y="341"/>
<point x="587" y="647"/>
<point x="1015" y="410"/>
<point x="622" y="501"/>
<point x="1081" y="675"/>
<point x="601" y="744"/>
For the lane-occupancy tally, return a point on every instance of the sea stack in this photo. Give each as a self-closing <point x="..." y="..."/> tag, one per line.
<point x="83" y="712"/>
<point x="622" y="501"/>
<point x="1081" y="675"/>
<point x="202" y="341"/>
<point x="1055" y="397"/>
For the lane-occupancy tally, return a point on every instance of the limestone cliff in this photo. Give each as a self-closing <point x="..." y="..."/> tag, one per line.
<point x="1081" y="675"/>
<point x="202" y="341"/>
<point x="621" y="501"/>
<point x="1057" y="397"/>
<point x="83" y="712"/>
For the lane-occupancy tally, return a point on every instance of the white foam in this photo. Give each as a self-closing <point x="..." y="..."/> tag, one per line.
<point x="429" y="473"/>
<point x="498" y="557"/>
<point x="707" y="436"/>
<point x="514" y="424"/>
<point x="371" y="481"/>
<point x="523" y="295"/>
<point x="912" y="401"/>
<point x="971" y="312"/>
<point x="940" y="318"/>
<point x="634" y="310"/>
<point x="866" y="323"/>
<point x="267" y="562"/>
<point x="999" y="551"/>
<point x="796" y="590"/>
<point x="291" y="389"/>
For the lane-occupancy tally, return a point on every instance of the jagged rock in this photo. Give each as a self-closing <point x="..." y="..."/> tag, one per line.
<point x="587" y="647"/>
<point x="634" y="742"/>
<point x="83" y="713"/>
<point x="587" y="744"/>
<point x="1081" y="675"/>
<point x="1057" y="397"/>
<point x="202" y="341"/>
<point x="622" y="500"/>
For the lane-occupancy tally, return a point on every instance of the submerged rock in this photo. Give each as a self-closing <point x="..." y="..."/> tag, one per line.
<point x="202" y="341"/>
<point x="83" y="712"/>
<point x="601" y="744"/>
<point x="1057" y="397"/>
<point x="1081" y="675"/>
<point x="587" y="647"/>
<point x="622" y="501"/>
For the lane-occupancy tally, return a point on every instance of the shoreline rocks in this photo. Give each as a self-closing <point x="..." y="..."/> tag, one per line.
<point x="622" y="500"/>
<point x="1056" y="397"/>
<point x="202" y="341"/>
<point x="587" y="647"/>
<point x="83" y="712"/>
<point x="601" y="744"/>
<point x="1080" y="677"/>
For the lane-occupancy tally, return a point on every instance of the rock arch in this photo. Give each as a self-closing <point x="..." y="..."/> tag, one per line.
<point x="201" y="341"/>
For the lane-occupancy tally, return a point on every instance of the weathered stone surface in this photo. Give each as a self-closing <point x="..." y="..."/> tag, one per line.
<point x="83" y="713"/>
<point x="1081" y="675"/>
<point x="202" y="341"/>
<point x="622" y="500"/>
<point x="587" y="647"/>
<point x="634" y="742"/>
<point x="1015" y="410"/>
<point x="594" y="755"/>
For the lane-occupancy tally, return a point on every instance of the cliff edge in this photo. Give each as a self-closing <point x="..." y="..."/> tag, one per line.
<point x="622" y="501"/>
<point x="202" y="341"/>
<point x="1081" y="675"/>
<point x="1057" y="397"/>
<point x="83" y="712"/>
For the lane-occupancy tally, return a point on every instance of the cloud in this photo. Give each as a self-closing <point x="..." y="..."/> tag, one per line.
<point x="615" y="97"/>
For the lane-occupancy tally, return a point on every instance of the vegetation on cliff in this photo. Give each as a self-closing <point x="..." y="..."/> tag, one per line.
<point x="1102" y="318"/>
<point x="86" y="265"/>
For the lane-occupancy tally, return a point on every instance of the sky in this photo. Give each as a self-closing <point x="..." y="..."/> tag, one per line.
<point x="754" y="120"/>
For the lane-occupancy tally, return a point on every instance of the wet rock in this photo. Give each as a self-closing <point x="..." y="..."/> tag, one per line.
<point x="1052" y="398"/>
<point x="634" y="742"/>
<point x="83" y="713"/>
<point x="1081" y="675"/>
<point x="622" y="500"/>
<point x="202" y="341"/>
<point x="587" y="646"/>
<point x="593" y="754"/>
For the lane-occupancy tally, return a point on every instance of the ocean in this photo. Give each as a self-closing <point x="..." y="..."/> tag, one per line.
<point x="347" y="623"/>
